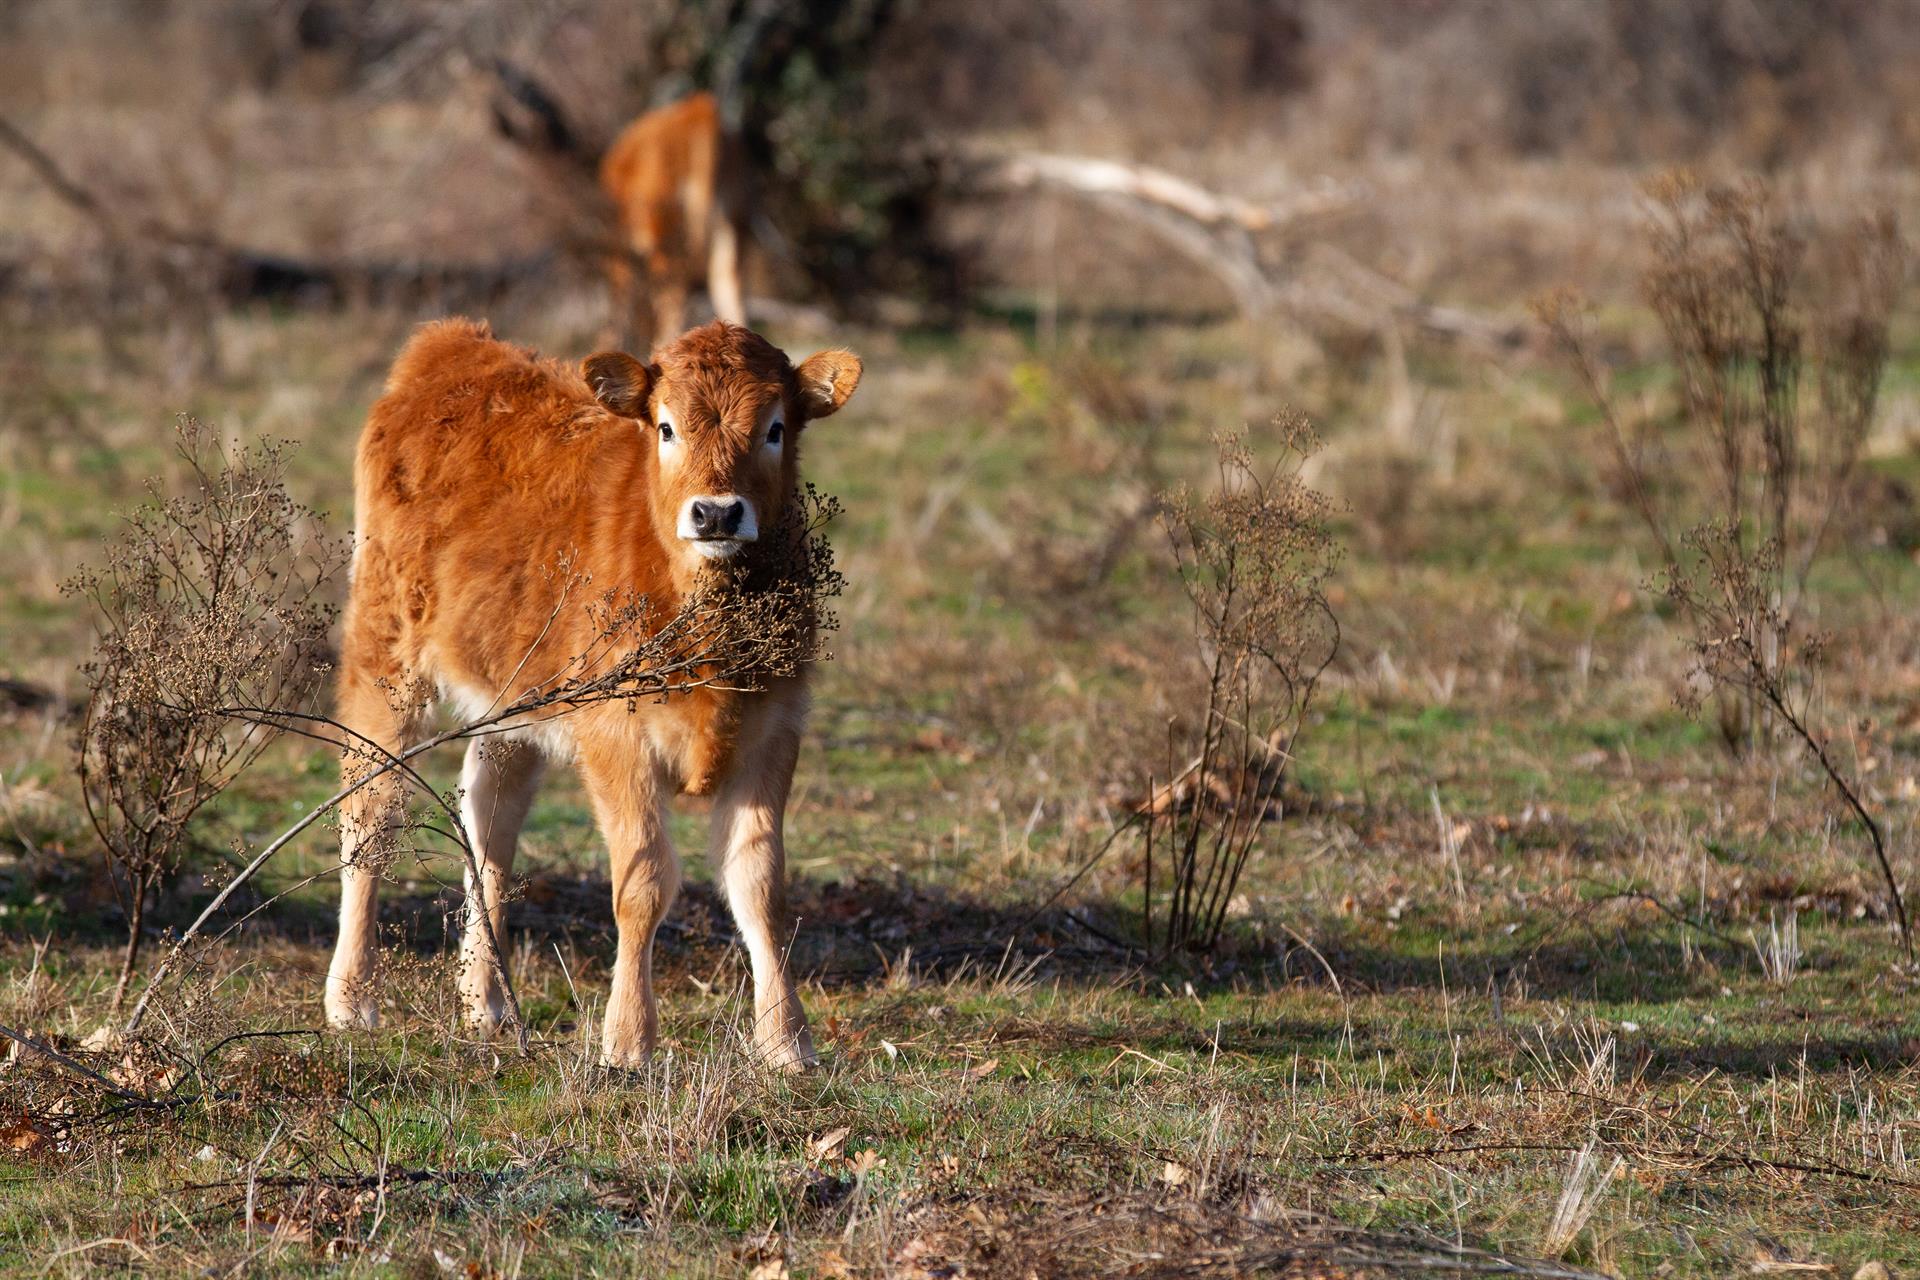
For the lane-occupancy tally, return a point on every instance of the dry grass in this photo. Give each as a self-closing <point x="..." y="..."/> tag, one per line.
<point x="1508" y="976"/>
<point x="1414" y="1029"/>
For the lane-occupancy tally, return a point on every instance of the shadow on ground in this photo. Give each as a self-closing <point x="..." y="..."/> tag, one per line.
<point x="861" y="933"/>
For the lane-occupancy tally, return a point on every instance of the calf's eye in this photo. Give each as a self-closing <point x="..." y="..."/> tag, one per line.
<point x="666" y="433"/>
<point x="774" y="432"/>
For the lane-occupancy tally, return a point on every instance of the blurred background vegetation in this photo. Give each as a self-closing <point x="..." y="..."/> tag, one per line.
<point x="356" y="132"/>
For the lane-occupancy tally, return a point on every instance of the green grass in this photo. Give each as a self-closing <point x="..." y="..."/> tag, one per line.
<point x="1094" y="1086"/>
<point x="1392" y="1042"/>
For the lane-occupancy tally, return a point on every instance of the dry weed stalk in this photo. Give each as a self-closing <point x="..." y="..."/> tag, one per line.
<point x="1744" y="641"/>
<point x="1779" y="952"/>
<point x="1253" y="558"/>
<point x="214" y="597"/>
<point x="1780" y="338"/>
<point x="1586" y="1182"/>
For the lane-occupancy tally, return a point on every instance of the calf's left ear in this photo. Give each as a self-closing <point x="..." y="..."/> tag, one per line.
<point x="827" y="380"/>
<point x="619" y="382"/>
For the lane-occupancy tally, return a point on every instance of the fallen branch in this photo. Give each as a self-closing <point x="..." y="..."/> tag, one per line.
<point x="360" y="1181"/>
<point x="1213" y="230"/>
<point x="245" y="274"/>
<point x="1381" y="294"/>
<point x="1664" y="908"/>
<point x="1700" y="1160"/>
<point x="1218" y="231"/>
<point x="1088" y="175"/>
<point x="75" y="195"/>
<point x="52" y="1054"/>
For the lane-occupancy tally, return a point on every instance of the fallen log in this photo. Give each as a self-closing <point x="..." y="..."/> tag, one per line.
<point x="1020" y="170"/>
<point x="1221" y="233"/>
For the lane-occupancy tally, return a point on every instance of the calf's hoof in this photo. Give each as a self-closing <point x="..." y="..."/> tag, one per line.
<point x="621" y="1051"/>
<point x="486" y="1014"/>
<point x="790" y="1053"/>
<point x="350" y="1007"/>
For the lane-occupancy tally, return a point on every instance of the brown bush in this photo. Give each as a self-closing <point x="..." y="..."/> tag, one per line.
<point x="214" y="600"/>
<point x="1779" y="332"/>
<point x="1253" y="558"/>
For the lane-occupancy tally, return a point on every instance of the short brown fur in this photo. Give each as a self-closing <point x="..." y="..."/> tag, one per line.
<point x="481" y="472"/>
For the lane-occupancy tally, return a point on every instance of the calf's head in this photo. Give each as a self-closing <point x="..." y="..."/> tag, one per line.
<point x="723" y="410"/>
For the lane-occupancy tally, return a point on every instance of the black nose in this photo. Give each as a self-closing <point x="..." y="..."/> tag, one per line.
<point x="717" y="519"/>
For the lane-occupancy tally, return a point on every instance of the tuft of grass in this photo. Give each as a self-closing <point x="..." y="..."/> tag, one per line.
<point x="1589" y="1174"/>
<point x="1779" y="952"/>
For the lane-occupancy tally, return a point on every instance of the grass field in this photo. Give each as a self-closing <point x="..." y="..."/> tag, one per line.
<point x="1495" y="995"/>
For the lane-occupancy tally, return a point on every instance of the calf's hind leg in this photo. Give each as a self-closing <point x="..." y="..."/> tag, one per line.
<point x="723" y="274"/>
<point x="497" y="782"/>
<point x="383" y="721"/>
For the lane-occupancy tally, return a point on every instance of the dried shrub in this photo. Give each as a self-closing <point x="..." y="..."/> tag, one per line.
<point x="1779" y="333"/>
<point x="1253" y="558"/>
<point x="1750" y="325"/>
<point x="1742" y="640"/>
<point x="213" y="599"/>
<point x="1778" y="330"/>
<point x="751" y="623"/>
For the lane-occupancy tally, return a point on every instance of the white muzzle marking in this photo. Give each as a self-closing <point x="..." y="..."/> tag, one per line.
<point x="719" y="546"/>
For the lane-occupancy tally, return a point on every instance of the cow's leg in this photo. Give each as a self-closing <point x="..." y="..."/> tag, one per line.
<point x="749" y="855"/>
<point x="643" y="328"/>
<point x="629" y="801"/>
<point x="723" y="273"/>
<point x="669" y="304"/>
<point x="498" y="783"/>
<point x="622" y="301"/>
<point x="383" y="715"/>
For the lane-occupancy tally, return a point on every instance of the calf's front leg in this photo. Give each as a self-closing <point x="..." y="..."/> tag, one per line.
<point x="381" y="725"/>
<point x="748" y="850"/>
<point x="628" y="796"/>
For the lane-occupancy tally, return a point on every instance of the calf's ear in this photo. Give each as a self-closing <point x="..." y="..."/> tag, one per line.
<point x="827" y="380"/>
<point x="619" y="382"/>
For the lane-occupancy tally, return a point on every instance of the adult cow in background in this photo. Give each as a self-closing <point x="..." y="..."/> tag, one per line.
<point x="678" y="186"/>
<point x="663" y="209"/>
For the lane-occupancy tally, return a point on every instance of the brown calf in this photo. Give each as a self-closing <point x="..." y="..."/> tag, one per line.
<point x="677" y="181"/>
<point x="481" y="470"/>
